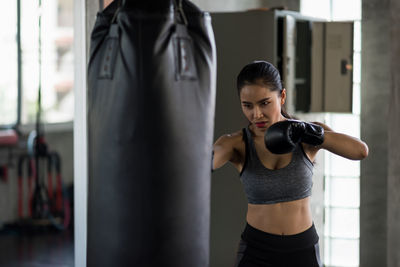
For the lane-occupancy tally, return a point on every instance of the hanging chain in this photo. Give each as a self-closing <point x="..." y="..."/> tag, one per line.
<point x="39" y="107"/>
<point x="181" y="12"/>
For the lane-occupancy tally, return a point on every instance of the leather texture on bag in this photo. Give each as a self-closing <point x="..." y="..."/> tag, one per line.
<point x="151" y="104"/>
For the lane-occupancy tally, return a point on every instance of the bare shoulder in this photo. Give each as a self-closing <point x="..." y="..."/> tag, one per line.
<point x="231" y="139"/>
<point x="232" y="142"/>
<point x="228" y="147"/>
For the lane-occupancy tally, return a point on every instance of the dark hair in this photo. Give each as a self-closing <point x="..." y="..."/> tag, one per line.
<point x="264" y="73"/>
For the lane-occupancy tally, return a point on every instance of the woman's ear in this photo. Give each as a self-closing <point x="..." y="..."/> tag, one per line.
<point x="283" y="96"/>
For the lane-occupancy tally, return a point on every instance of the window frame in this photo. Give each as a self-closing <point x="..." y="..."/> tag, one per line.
<point x="27" y="127"/>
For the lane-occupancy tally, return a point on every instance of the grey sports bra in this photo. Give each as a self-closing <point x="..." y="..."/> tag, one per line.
<point x="266" y="186"/>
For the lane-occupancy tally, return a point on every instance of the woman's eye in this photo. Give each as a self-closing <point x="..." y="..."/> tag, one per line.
<point x="247" y="106"/>
<point x="265" y="103"/>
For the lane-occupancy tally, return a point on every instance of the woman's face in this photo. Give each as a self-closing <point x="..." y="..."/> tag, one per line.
<point x="261" y="106"/>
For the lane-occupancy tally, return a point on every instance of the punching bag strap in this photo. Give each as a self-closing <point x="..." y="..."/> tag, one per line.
<point x="116" y="11"/>
<point x="185" y="67"/>
<point x="110" y="54"/>
<point x="111" y="48"/>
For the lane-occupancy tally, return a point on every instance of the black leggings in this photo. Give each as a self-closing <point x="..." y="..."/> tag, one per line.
<point x="259" y="249"/>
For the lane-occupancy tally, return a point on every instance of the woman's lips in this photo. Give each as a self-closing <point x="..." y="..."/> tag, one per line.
<point x="260" y="124"/>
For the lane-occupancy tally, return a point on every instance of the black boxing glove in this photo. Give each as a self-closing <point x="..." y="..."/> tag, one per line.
<point x="283" y="136"/>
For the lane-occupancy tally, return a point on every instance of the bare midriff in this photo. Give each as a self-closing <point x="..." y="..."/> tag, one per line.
<point x="285" y="218"/>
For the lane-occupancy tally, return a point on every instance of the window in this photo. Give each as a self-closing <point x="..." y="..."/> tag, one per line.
<point x="342" y="176"/>
<point x="342" y="199"/>
<point x="56" y="61"/>
<point x="8" y="64"/>
<point x="316" y="8"/>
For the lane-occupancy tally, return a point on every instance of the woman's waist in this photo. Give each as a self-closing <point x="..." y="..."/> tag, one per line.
<point x="281" y="218"/>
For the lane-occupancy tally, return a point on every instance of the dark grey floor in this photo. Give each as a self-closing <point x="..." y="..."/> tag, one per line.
<point x="37" y="250"/>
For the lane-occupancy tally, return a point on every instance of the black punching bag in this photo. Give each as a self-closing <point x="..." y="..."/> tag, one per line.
<point x="151" y="104"/>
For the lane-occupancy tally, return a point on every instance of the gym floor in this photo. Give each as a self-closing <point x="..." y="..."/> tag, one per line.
<point x="37" y="250"/>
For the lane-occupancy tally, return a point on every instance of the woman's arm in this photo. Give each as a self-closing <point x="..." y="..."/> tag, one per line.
<point x="342" y="144"/>
<point x="223" y="150"/>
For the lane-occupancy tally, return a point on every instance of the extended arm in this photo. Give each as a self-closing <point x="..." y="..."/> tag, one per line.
<point x="342" y="144"/>
<point x="283" y="136"/>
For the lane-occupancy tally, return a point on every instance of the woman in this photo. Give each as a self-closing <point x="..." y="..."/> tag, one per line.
<point x="280" y="229"/>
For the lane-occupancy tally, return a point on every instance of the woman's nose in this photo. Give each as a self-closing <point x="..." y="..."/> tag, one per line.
<point x="257" y="113"/>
